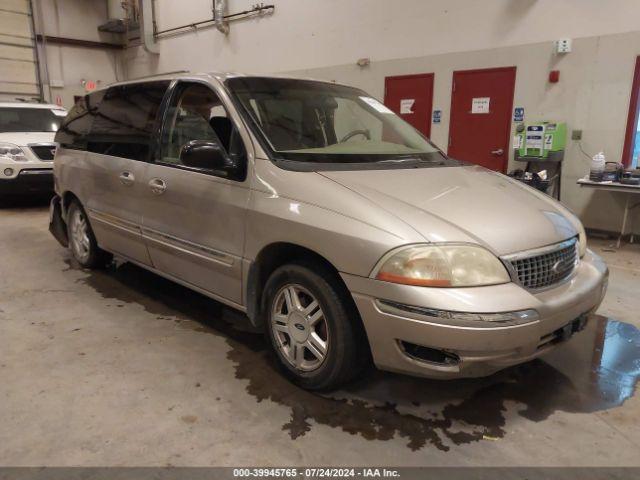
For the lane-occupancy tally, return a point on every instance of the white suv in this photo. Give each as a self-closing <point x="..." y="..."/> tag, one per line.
<point x="27" y="148"/>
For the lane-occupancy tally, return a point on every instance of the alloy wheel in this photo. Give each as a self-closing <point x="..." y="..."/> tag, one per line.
<point x="80" y="242"/>
<point x="299" y="327"/>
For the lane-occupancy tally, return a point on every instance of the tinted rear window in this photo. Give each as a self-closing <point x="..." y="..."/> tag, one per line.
<point x="125" y="121"/>
<point x="73" y="132"/>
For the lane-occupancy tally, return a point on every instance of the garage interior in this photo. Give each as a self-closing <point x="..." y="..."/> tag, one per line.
<point x="121" y="367"/>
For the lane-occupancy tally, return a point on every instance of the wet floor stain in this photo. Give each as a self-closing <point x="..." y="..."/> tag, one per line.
<point x="596" y="370"/>
<point x="189" y="418"/>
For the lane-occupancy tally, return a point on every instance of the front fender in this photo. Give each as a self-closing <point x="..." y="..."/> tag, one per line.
<point x="350" y="245"/>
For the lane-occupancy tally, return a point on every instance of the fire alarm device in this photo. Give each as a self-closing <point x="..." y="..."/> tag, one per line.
<point x="563" y="45"/>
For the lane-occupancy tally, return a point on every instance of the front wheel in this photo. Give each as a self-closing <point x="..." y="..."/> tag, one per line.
<point x="312" y="326"/>
<point x="82" y="241"/>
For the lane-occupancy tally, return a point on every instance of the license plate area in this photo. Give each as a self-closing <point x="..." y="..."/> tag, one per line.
<point x="564" y="333"/>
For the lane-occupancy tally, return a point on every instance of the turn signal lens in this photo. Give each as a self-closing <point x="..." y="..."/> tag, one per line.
<point x="582" y="241"/>
<point x="442" y="266"/>
<point x="486" y="320"/>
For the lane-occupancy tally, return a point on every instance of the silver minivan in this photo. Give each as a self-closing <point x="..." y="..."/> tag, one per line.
<point x="328" y="220"/>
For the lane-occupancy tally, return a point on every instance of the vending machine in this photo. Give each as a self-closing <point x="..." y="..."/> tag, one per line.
<point x="544" y="140"/>
<point x="541" y="147"/>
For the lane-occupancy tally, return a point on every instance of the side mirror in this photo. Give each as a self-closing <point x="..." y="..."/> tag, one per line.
<point x="203" y="154"/>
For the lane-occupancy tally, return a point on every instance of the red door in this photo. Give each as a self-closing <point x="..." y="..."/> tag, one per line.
<point x="480" y="126"/>
<point x="411" y="97"/>
<point x="631" y="141"/>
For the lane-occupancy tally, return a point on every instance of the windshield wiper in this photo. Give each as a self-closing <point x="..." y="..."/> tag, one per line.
<point x="413" y="159"/>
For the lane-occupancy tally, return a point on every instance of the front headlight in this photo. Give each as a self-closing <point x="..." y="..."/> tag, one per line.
<point x="12" y="152"/>
<point x="442" y="266"/>
<point x="582" y="240"/>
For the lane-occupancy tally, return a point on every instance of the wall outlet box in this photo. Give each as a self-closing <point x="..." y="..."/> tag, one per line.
<point x="55" y="83"/>
<point x="576" y="135"/>
<point x="563" y="45"/>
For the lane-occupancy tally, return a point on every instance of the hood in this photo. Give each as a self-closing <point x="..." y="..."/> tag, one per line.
<point x="22" y="139"/>
<point x="464" y="204"/>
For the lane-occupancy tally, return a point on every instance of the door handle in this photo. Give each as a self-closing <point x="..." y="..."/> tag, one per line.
<point x="497" y="152"/>
<point x="127" y="178"/>
<point x="157" y="186"/>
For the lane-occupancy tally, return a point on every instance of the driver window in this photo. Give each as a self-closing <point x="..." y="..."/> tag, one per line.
<point x="196" y="113"/>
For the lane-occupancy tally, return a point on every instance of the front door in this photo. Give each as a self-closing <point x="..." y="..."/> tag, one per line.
<point x="411" y="97"/>
<point x="193" y="215"/>
<point x="480" y="126"/>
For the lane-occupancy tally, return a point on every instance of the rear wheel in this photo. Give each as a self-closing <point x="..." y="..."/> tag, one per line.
<point x="312" y="326"/>
<point x="82" y="241"/>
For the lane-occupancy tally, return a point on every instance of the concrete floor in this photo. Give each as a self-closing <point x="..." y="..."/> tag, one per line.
<point x="124" y="368"/>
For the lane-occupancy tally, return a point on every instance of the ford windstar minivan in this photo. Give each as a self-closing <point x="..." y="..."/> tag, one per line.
<point x="27" y="148"/>
<point x="331" y="222"/>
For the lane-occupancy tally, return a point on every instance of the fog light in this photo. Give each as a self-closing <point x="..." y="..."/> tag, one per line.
<point x="431" y="355"/>
<point x="8" y="172"/>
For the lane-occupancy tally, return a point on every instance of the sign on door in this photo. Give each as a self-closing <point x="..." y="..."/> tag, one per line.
<point x="480" y="105"/>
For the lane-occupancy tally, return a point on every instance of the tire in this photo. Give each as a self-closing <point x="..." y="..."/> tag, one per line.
<point x="82" y="241"/>
<point x="300" y="333"/>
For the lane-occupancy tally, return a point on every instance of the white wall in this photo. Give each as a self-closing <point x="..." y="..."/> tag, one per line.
<point x="69" y="65"/>
<point x="325" y="38"/>
<point x="316" y="33"/>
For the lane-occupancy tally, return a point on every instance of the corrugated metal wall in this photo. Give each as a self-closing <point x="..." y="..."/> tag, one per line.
<point x="18" y="60"/>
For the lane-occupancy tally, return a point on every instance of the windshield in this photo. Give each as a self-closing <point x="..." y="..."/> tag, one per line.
<point x="20" y="119"/>
<point x="320" y="122"/>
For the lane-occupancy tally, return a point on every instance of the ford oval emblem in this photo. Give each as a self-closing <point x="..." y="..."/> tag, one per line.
<point x="299" y="326"/>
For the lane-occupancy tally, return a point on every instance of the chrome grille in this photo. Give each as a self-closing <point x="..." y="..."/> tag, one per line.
<point x="44" y="152"/>
<point x="545" y="267"/>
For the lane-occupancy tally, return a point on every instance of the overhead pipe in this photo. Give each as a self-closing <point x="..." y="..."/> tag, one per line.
<point x="148" y="27"/>
<point x="39" y="75"/>
<point x="76" y="42"/>
<point x="37" y="24"/>
<point x="256" y="10"/>
<point x="116" y="10"/>
<point x="219" y="9"/>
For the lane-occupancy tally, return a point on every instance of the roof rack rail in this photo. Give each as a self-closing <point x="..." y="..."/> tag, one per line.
<point x="160" y="74"/>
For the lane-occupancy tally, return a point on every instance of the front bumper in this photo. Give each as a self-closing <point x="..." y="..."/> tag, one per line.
<point x="28" y="181"/>
<point x="483" y="349"/>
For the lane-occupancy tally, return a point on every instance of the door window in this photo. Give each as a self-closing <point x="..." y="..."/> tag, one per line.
<point x="196" y="113"/>
<point x="125" y="121"/>
<point x="75" y="128"/>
